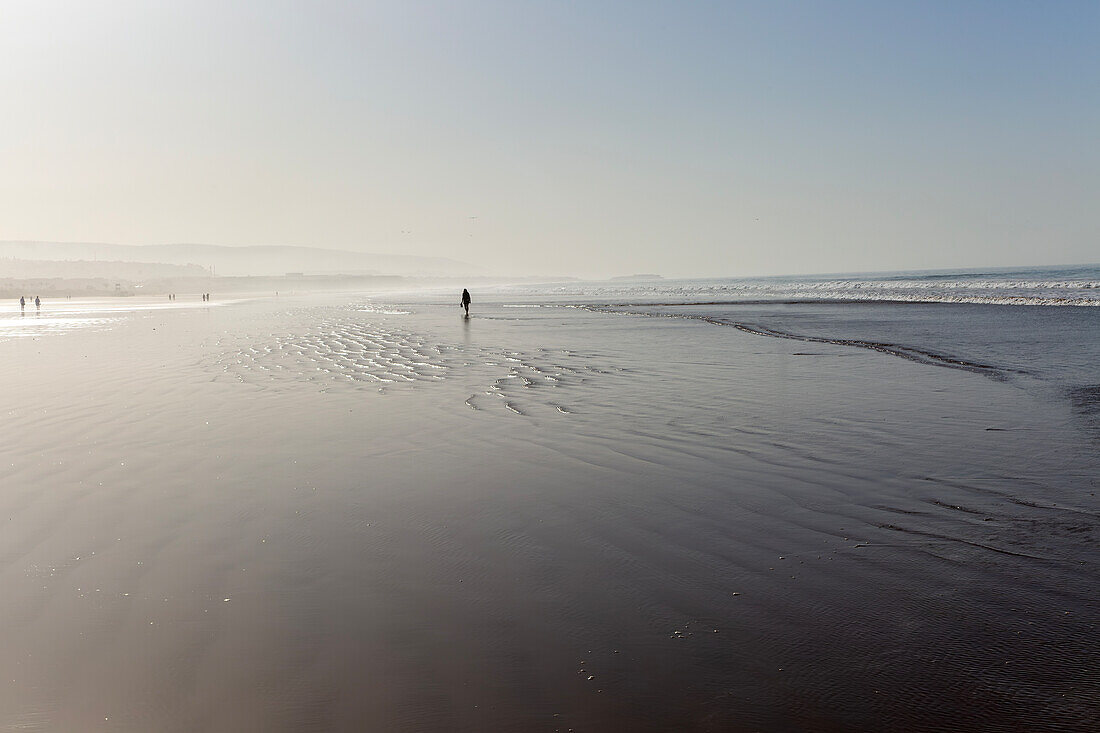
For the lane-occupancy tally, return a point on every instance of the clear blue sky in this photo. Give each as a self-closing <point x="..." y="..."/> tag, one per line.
<point x="562" y="137"/>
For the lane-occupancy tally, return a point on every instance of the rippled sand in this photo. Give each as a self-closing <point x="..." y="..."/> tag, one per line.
<point x="366" y="515"/>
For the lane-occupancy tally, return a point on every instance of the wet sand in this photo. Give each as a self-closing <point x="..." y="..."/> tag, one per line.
<point x="375" y="515"/>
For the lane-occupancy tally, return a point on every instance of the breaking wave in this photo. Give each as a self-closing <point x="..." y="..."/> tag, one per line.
<point x="1076" y="286"/>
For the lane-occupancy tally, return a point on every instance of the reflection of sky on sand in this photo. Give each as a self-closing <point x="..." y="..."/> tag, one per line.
<point x="34" y="324"/>
<point x="61" y="315"/>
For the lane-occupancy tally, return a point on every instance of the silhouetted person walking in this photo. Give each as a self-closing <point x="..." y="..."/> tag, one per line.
<point x="22" y="302"/>
<point x="466" y="301"/>
<point x="37" y="302"/>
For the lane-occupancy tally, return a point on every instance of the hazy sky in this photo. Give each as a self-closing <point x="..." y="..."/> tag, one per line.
<point x="586" y="138"/>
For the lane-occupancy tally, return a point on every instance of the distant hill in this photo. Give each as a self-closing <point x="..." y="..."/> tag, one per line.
<point x="264" y="260"/>
<point x="640" y="277"/>
<point x="106" y="269"/>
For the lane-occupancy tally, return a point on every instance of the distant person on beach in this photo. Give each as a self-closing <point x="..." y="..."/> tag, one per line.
<point x="466" y="301"/>
<point x="22" y="302"/>
<point x="37" y="302"/>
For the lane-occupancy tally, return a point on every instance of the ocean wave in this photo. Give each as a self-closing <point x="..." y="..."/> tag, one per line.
<point x="985" y="293"/>
<point x="884" y="298"/>
<point x="1075" y="287"/>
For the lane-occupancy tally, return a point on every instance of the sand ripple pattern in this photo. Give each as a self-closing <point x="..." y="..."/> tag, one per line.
<point x="542" y="380"/>
<point x="341" y="352"/>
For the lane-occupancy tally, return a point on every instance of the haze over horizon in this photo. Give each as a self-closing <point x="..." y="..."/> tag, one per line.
<point x="598" y="140"/>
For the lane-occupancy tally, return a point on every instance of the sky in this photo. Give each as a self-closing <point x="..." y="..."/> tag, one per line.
<point x="575" y="138"/>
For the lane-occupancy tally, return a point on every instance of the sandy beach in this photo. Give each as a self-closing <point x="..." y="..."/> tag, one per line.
<point x="495" y="367"/>
<point x="353" y="514"/>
